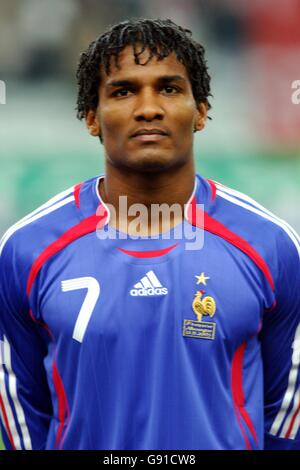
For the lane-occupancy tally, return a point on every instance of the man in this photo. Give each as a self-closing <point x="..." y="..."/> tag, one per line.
<point x="126" y="331"/>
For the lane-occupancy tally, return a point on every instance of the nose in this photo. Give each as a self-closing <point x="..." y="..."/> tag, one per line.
<point x="148" y="107"/>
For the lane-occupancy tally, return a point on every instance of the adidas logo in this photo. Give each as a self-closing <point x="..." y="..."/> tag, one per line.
<point x="149" y="285"/>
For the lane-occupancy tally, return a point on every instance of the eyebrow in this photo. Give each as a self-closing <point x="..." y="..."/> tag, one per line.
<point x="160" y="80"/>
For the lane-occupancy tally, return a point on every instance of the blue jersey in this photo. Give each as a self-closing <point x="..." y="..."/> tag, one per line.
<point x="185" y="340"/>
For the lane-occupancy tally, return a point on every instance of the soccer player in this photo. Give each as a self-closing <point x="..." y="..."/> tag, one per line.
<point x="124" y="330"/>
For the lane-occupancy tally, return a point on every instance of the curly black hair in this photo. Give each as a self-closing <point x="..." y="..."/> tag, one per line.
<point x="160" y="37"/>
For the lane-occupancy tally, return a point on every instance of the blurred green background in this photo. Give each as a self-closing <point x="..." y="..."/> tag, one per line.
<point x="252" y="143"/>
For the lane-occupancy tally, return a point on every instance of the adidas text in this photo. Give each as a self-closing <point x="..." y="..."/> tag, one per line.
<point x="149" y="292"/>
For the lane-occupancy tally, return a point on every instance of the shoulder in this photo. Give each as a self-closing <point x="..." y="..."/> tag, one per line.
<point x="271" y="236"/>
<point x="27" y="237"/>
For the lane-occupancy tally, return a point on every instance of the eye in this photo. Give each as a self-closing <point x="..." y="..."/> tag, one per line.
<point x="169" y="89"/>
<point x="121" y="93"/>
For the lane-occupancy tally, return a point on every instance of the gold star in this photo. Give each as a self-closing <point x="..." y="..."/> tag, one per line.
<point x="202" y="279"/>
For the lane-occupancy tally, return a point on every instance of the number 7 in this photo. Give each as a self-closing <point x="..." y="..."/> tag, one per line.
<point x="93" y="287"/>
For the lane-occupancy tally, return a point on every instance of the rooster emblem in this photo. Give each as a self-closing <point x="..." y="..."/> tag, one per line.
<point x="203" y="306"/>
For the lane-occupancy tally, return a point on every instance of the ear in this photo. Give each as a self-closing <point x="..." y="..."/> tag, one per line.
<point x="92" y="123"/>
<point x="201" y="116"/>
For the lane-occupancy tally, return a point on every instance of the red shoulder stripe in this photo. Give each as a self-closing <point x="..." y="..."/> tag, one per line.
<point x="87" y="225"/>
<point x="63" y="406"/>
<point x="206" y="222"/>
<point x="238" y="392"/>
<point x="213" y="189"/>
<point x="76" y="194"/>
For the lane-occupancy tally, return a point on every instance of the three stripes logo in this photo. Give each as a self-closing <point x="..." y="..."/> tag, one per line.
<point x="149" y="285"/>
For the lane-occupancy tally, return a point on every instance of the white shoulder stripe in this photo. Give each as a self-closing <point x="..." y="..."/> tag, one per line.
<point x="243" y="196"/>
<point x="32" y="218"/>
<point x="289" y="393"/>
<point x="51" y="201"/>
<point x="292" y="417"/>
<point x="8" y="411"/>
<point x="12" y="387"/>
<point x="251" y="201"/>
<point x="276" y="221"/>
<point x="2" y="419"/>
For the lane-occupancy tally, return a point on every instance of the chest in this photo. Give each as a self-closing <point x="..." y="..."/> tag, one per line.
<point x="213" y="294"/>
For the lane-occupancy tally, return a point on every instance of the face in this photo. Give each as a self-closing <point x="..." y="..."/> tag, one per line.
<point x="146" y="115"/>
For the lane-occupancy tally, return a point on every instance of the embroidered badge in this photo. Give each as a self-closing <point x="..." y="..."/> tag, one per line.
<point x="201" y="306"/>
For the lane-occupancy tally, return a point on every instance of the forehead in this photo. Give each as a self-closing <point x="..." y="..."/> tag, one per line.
<point x="127" y="68"/>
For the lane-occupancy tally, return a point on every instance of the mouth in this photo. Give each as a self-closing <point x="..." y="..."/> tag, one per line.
<point x="155" y="137"/>
<point x="149" y="135"/>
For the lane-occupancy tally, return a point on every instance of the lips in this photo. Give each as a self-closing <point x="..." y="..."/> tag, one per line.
<point x="149" y="132"/>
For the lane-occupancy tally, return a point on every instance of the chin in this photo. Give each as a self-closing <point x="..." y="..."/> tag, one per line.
<point x="153" y="166"/>
<point x="152" y="163"/>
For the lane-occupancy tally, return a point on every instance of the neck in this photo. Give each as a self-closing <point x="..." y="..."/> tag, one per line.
<point x="173" y="187"/>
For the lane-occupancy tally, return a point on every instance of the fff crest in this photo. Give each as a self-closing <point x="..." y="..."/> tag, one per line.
<point x="202" y="305"/>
